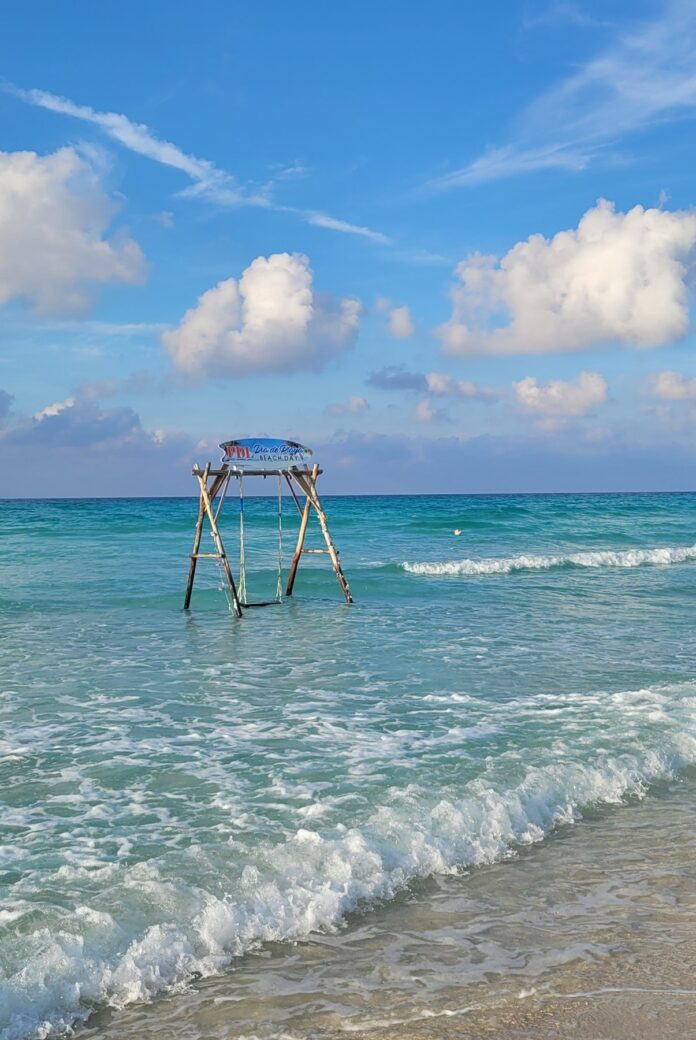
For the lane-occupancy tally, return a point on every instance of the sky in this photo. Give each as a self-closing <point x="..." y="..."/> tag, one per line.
<point x="449" y="246"/>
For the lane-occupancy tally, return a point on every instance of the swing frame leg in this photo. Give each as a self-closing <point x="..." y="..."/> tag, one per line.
<point x="308" y="484"/>
<point x="300" y="537"/>
<point x="205" y="508"/>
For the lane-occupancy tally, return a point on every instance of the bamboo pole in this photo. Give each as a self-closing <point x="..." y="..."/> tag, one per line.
<point x="195" y="554"/>
<point x="293" y="493"/>
<point x="301" y="535"/>
<point x="196" y="546"/>
<point x="308" y="483"/>
<point x="218" y="542"/>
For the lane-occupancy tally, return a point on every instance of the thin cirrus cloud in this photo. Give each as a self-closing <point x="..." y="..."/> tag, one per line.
<point x="646" y="77"/>
<point x="54" y="221"/>
<point x="207" y="180"/>
<point x="616" y="278"/>
<point x="269" y="320"/>
<point x="554" y="403"/>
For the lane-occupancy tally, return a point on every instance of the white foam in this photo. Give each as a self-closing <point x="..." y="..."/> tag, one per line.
<point x="310" y="881"/>
<point x="591" y="559"/>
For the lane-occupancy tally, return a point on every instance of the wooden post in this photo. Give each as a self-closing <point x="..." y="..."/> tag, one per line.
<point x="196" y="545"/>
<point x="195" y="553"/>
<point x="212" y="480"/>
<point x="307" y="482"/>
<point x="218" y="543"/>
<point x="300" y="537"/>
<point x="205" y="508"/>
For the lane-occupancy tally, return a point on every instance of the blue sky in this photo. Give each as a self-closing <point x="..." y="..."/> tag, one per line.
<point x="372" y="228"/>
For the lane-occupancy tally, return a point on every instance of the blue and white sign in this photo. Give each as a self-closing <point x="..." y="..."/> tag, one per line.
<point x="263" y="449"/>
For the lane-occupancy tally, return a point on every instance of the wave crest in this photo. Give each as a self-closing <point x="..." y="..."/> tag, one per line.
<point x="524" y="562"/>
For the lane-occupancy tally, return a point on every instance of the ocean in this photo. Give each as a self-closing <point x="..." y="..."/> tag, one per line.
<point x="326" y="818"/>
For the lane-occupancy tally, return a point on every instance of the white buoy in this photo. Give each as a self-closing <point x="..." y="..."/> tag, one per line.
<point x="457" y="531"/>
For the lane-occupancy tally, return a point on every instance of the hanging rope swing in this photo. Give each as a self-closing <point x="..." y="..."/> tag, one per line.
<point x="259" y="457"/>
<point x="242" y="551"/>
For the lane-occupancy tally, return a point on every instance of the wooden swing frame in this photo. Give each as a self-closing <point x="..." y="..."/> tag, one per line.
<point x="214" y="482"/>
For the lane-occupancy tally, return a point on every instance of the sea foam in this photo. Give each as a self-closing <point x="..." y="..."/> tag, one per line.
<point x="524" y="562"/>
<point x="310" y="881"/>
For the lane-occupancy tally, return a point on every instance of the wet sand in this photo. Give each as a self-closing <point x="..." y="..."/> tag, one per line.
<point x="591" y="935"/>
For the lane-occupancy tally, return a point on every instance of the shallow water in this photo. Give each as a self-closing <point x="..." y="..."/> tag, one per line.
<point x="589" y="935"/>
<point x="182" y="791"/>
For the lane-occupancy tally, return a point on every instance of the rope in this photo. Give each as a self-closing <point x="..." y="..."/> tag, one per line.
<point x="222" y="497"/>
<point x="223" y="586"/>
<point x="242" y="561"/>
<point x="259" y="550"/>
<point x="279" y="585"/>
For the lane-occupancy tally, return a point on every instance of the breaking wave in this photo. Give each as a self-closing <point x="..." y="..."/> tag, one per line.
<point x="310" y="881"/>
<point x="524" y="562"/>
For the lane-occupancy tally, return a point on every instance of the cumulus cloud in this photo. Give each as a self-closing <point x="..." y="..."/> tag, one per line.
<point x="558" y="400"/>
<point x="54" y="216"/>
<point x="271" y="320"/>
<point x="396" y="377"/>
<point x="437" y="384"/>
<point x="401" y="323"/>
<point x="352" y="406"/>
<point x="55" y="409"/>
<point x="77" y="447"/>
<point x="441" y="384"/>
<point x="617" y="277"/>
<point x="79" y="423"/>
<point x="424" y="411"/>
<point x="672" y="386"/>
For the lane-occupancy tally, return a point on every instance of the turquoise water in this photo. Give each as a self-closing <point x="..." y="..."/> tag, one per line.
<point x="179" y="789"/>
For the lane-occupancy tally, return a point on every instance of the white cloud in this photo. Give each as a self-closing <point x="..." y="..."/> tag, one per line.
<point x="55" y="409"/>
<point x="208" y="179"/>
<point x="617" y="277"/>
<point x="106" y="328"/>
<point x="645" y="77"/>
<point x="78" y="423"/>
<point x="424" y="411"/>
<point x="77" y="447"/>
<point x="325" y="221"/>
<point x="441" y="384"/>
<point x="353" y="406"/>
<point x="558" y="400"/>
<point x="672" y="386"/>
<point x="437" y="384"/>
<point x="53" y="218"/>
<point x="401" y="323"/>
<point x="271" y="320"/>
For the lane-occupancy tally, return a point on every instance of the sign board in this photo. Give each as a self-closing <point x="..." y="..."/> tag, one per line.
<point x="263" y="450"/>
